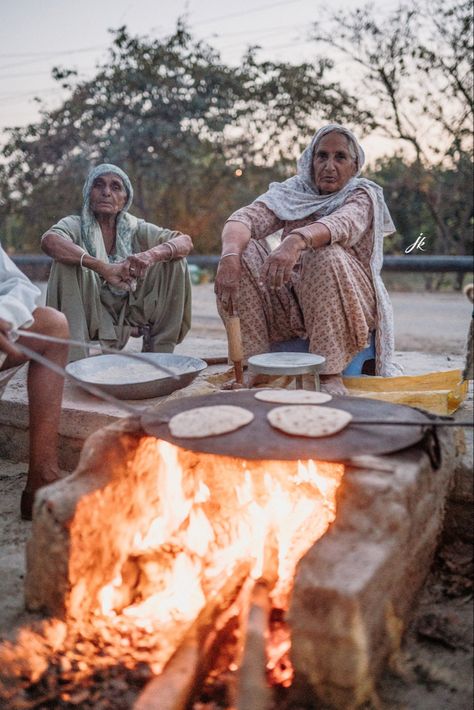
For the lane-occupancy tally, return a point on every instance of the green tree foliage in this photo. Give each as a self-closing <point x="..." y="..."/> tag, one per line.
<point x="200" y="138"/>
<point x="413" y="76"/>
<point x="179" y="122"/>
<point x="450" y="204"/>
<point x="408" y="209"/>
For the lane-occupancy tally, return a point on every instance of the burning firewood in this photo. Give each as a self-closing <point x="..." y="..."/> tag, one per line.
<point x="253" y="691"/>
<point x="172" y="689"/>
<point x="188" y="667"/>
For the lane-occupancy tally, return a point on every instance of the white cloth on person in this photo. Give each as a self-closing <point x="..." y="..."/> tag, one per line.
<point x="18" y="299"/>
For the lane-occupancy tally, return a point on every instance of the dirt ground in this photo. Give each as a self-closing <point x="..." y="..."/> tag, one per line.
<point x="434" y="667"/>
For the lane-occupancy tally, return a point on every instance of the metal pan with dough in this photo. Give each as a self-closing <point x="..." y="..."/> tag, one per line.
<point x="127" y="378"/>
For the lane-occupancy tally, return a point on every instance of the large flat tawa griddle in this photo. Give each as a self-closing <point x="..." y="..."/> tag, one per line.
<point x="259" y="440"/>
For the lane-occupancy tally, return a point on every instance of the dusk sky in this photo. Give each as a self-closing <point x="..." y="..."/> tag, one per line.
<point x="37" y="35"/>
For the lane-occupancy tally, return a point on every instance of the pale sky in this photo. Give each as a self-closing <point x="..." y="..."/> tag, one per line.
<point x="36" y="35"/>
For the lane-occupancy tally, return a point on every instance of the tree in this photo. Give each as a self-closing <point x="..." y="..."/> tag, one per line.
<point x="179" y="121"/>
<point x="413" y="74"/>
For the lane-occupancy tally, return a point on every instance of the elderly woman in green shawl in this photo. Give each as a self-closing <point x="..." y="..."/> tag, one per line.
<point x="323" y="280"/>
<point x="114" y="275"/>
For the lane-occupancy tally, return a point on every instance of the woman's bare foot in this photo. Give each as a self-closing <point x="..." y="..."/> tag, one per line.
<point x="255" y="379"/>
<point x="227" y="386"/>
<point x="251" y="379"/>
<point x="332" y="384"/>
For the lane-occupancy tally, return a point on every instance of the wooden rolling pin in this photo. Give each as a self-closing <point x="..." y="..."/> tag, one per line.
<point x="236" y="351"/>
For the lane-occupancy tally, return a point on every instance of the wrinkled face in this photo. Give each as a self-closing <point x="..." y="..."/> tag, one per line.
<point x="108" y="195"/>
<point x="333" y="165"/>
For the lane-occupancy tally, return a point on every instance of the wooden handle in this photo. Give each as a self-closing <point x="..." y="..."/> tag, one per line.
<point x="234" y="339"/>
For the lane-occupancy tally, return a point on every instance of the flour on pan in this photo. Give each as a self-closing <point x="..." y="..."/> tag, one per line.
<point x="120" y="374"/>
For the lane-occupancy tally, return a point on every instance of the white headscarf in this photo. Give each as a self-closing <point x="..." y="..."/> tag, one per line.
<point x="125" y="226"/>
<point x="298" y="197"/>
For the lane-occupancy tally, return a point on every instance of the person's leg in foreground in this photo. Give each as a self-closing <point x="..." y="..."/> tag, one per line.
<point x="45" y="389"/>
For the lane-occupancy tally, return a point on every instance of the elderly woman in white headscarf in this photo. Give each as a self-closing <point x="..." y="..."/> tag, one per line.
<point x="323" y="280"/>
<point x="114" y="275"/>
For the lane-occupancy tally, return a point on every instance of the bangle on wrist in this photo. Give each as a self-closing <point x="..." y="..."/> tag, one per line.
<point x="172" y="249"/>
<point x="84" y="253"/>
<point x="308" y="241"/>
<point x="230" y="253"/>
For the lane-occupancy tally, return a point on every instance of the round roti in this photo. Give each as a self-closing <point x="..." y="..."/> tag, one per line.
<point x="208" y="421"/>
<point x="309" y="420"/>
<point x="293" y="396"/>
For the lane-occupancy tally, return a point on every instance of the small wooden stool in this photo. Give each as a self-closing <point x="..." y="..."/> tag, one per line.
<point x="290" y="364"/>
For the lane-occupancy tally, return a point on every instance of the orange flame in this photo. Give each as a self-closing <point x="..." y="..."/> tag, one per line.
<point x="213" y="514"/>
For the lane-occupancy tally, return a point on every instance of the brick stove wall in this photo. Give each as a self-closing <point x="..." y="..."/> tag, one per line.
<point x="353" y="590"/>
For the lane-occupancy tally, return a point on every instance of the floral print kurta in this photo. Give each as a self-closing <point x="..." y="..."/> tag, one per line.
<point x="335" y="297"/>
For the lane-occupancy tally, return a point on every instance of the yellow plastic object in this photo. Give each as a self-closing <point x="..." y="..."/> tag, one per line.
<point x="438" y="392"/>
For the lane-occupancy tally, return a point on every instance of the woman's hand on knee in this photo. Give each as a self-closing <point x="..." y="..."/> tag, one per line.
<point x="278" y="266"/>
<point x="139" y="263"/>
<point x="118" y="275"/>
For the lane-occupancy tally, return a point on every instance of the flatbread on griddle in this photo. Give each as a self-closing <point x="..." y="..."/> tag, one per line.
<point x="308" y="420"/>
<point x="200" y="422"/>
<point x="281" y="396"/>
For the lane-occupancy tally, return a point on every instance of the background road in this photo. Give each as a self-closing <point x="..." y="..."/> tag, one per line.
<point x="425" y="322"/>
<point x="428" y="322"/>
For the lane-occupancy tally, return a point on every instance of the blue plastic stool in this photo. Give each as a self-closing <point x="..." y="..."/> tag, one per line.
<point x="301" y="345"/>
